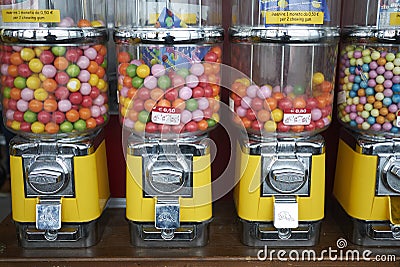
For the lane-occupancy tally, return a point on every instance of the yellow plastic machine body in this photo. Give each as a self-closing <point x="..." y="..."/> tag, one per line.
<point x="90" y="184"/>
<point x="197" y="208"/>
<point x="252" y="206"/>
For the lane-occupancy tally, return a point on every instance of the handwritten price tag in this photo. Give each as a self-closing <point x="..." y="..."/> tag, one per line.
<point x="297" y="116"/>
<point x="165" y="115"/>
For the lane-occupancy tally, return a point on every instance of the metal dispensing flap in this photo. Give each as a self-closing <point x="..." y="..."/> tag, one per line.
<point x="290" y="34"/>
<point x="169" y="36"/>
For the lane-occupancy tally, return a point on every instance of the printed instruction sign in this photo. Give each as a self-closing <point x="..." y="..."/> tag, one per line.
<point x="389" y="13"/>
<point x="305" y="12"/>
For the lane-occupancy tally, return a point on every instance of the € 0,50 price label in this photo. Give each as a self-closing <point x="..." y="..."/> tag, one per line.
<point x="165" y="115"/>
<point x="297" y="116"/>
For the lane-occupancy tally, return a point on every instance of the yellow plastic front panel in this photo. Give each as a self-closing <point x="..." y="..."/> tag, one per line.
<point x="355" y="182"/>
<point x="251" y="206"/>
<point x="91" y="190"/>
<point x="195" y="209"/>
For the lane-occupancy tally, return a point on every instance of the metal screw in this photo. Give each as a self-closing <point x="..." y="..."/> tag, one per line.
<point x="167" y="234"/>
<point x="284" y="233"/>
<point x="51" y="235"/>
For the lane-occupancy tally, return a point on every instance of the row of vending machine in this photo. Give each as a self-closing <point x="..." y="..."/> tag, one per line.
<point x="291" y="61"/>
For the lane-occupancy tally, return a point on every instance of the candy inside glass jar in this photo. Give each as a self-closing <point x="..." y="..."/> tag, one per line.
<point x="285" y="90"/>
<point x="369" y="88"/>
<point x="54" y="90"/>
<point x="169" y="90"/>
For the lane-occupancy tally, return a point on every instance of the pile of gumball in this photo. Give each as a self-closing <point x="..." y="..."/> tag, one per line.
<point x="54" y="89"/>
<point x="262" y="109"/>
<point x="154" y="99"/>
<point x="369" y="92"/>
<point x="69" y="22"/>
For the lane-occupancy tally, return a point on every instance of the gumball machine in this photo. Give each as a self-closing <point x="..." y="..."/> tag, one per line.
<point x="169" y="55"/>
<point x="287" y="54"/>
<point x="54" y="96"/>
<point x="367" y="181"/>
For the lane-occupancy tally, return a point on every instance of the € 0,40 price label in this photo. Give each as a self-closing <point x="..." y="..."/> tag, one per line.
<point x="165" y="115"/>
<point x="297" y="116"/>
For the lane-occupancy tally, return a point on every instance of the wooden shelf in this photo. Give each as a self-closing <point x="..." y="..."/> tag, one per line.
<point x="224" y="248"/>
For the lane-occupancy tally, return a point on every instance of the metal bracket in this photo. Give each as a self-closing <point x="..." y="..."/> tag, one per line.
<point x="167" y="217"/>
<point x="48" y="218"/>
<point x="286" y="213"/>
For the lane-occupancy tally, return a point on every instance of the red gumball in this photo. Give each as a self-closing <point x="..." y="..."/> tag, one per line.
<point x="171" y="94"/>
<point x="72" y="55"/>
<point x="62" y="78"/>
<point x="87" y="101"/>
<point x="61" y="93"/>
<point x="256" y="125"/>
<point x="283" y="128"/>
<point x="250" y="114"/>
<point x="319" y="124"/>
<point x="44" y="116"/>
<point x="312" y="103"/>
<point x="151" y="127"/>
<point x="9" y="81"/>
<point x="310" y="127"/>
<point x="191" y="126"/>
<point x="285" y="103"/>
<point x="211" y="57"/>
<point x="46" y="57"/>
<point x="178" y="128"/>
<point x="18" y="116"/>
<point x="58" y="117"/>
<point x="95" y="92"/>
<point x="12" y="104"/>
<point x="198" y="92"/>
<point x="99" y="59"/>
<point x="25" y="127"/>
<point x="99" y="120"/>
<point x="24" y="71"/>
<point x="75" y="98"/>
<point x="5" y="58"/>
<point x="208" y="91"/>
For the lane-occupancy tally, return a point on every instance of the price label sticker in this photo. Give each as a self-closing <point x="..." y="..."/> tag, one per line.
<point x="165" y="115"/>
<point x="297" y="116"/>
<point x="31" y="15"/>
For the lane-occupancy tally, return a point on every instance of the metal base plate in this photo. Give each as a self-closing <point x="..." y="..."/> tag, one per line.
<point x="71" y="235"/>
<point x="367" y="233"/>
<point x="259" y="234"/>
<point x="187" y="235"/>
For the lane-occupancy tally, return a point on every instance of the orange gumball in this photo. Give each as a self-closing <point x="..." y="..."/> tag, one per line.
<point x="202" y="125"/>
<point x="297" y="128"/>
<point x="84" y="23"/>
<point x="164" y="103"/>
<point x="270" y="103"/>
<point x="52" y="128"/>
<point x="50" y="105"/>
<point x="16" y="59"/>
<point x="91" y="123"/>
<point x="15" y="93"/>
<point x="149" y="105"/>
<point x="299" y="102"/>
<point x="123" y="57"/>
<point x="85" y="113"/>
<point x="12" y="70"/>
<point x="61" y="63"/>
<point x="35" y="105"/>
<point x="50" y="85"/>
<point x="72" y="115"/>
